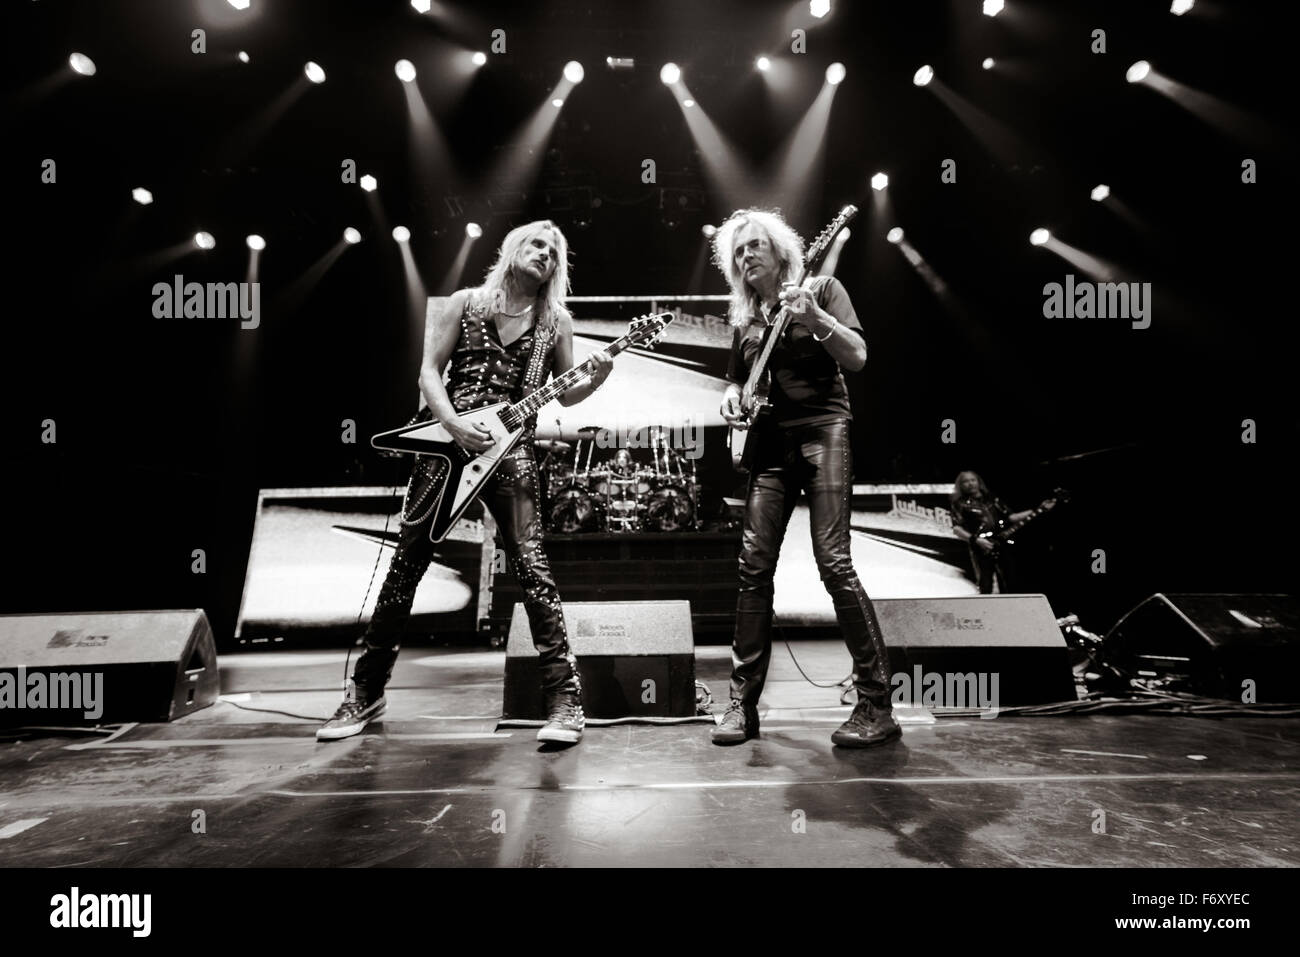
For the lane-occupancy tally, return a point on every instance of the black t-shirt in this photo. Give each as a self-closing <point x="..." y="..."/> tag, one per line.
<point x="978" y="514"/>
<point x="807" y="384"/>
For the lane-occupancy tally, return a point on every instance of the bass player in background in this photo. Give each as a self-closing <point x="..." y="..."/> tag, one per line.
<point x="976" y="513"/>
<point x="502" y="338"/>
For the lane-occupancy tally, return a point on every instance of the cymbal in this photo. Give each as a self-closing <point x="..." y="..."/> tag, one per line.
<point x="552" y="445"/>
<point x="588" y="431"/>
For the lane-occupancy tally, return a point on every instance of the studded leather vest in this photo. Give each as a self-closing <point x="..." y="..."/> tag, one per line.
<point x="483" y="371"/>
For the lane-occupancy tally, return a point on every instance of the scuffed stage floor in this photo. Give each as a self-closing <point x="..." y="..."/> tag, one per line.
<point x="436" y="784"/>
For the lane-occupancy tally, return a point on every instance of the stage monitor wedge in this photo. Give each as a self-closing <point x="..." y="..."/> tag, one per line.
<point x="635" y="659"/>
<point x="106" y="667"/>
<point x="1227" y="646"/>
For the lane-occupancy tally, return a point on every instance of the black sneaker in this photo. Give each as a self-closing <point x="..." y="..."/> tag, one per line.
<point x="737" y="724"/>
<point x="351" y="717"/>
<point x="566" y="720"/>
<point x="867" y="726"/>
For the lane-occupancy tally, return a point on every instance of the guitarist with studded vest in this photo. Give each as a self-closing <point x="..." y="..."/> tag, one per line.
<point x="805" y="331"/>
<point x="502" y="340"/>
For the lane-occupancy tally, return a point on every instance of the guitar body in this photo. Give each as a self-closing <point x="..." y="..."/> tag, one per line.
<point x="458" y="476"/>
<point x="755" y="407"/>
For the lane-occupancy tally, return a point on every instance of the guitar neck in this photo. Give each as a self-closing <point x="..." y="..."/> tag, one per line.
<point x="515" y="415"/>
<point x="773" y="336"/>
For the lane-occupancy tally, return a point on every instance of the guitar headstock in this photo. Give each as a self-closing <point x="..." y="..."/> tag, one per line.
<point x="822" y="244"/>
<point x="1059" y="496"/>
<point x="645" y="330"/>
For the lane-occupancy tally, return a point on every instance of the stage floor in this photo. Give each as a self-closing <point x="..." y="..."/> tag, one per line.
<point x="436" y="784"/>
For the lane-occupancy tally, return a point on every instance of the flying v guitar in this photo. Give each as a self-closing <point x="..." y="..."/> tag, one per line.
<point x="460" y="475"/>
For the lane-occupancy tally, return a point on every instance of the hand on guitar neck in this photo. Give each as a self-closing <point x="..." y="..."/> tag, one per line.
<point x="991" y="539"/>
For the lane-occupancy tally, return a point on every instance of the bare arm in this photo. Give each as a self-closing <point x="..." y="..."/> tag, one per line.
<point x="846" y="346"/>
<point x="438" y="347"/>
<point x="599" y="364"/>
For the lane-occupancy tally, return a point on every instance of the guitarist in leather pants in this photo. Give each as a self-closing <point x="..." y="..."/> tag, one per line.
<point x="502" y="339"/>
<point x="801" y="445"/>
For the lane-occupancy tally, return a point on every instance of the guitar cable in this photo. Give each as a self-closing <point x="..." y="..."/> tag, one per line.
<point x="347" y="661"/>
<point x="379" y="553"/>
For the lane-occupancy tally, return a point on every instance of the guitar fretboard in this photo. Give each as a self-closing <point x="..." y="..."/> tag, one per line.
<point x="514" y="416"/>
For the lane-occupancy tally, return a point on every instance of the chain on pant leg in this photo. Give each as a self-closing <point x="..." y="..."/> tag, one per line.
<point x="513" y="503"/>
<point x="827" y="452"/>
<point x="393" y="606"/>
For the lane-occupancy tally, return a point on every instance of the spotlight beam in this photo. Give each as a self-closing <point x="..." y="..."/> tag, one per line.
<point x="728" y="177"/>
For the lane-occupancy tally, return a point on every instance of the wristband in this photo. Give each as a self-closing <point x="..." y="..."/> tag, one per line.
<point x="834" y="325"/>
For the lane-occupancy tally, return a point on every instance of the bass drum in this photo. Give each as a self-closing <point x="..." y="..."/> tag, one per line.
<point x="670" y="507"/>
<point x="571" y="508"/>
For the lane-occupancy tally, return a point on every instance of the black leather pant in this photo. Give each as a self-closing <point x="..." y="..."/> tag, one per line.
<point x="511" y="497"/>
<point x="817" y="459"/>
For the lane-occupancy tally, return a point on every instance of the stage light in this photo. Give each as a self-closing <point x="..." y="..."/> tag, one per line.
<point x="573" y="71"/>
<point x="1138" y="71"/>
<point x="401" y="234"/>
<point x="620" y="62"/>
<point x="1179" y="7"/>
<point x="763" y="63"/>
<point x="557" y="102"/>
<point x="670" y="74"/>
<point x="473" y="230"/>
<point x="1039" y="236"/>
<point x="405" y="71"/>
<point x="835" y="74"/>
<point x="314" y="72"/>
<point x="479" y="58"/>
<point x="819" y="8"/>
<point x="255" y="242"/>
<point x="992" y="7"/>
<point x="923" y="75"/>
<point x="688" y="102"/>
<point x="369" y="183"/>
<point x="238" y="4"/>
<point x="988" y="63"/>
<point x="82" y="64"/>
<point x="204" y="240"/>
<point x="709" y="230"/>
<point x="895" y="235"/>
<point x="422" y="6"/>
<point x="142" y="196"/>
<point x="351" y="236"/>
<point x="879" y="181"/>
<point x="243" y="57"/>
<point x="1100" y="192"/>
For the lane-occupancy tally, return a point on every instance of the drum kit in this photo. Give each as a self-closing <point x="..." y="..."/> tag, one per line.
<point x="620" y="495"/>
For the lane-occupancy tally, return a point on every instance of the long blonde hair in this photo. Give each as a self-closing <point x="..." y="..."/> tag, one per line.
<point x="786" y="244"/>
<point x="499" y="280"/>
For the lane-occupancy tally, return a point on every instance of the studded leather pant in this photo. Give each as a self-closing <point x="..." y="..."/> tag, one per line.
<point x="817" y="459"/>
<point x="511" y="497"/>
